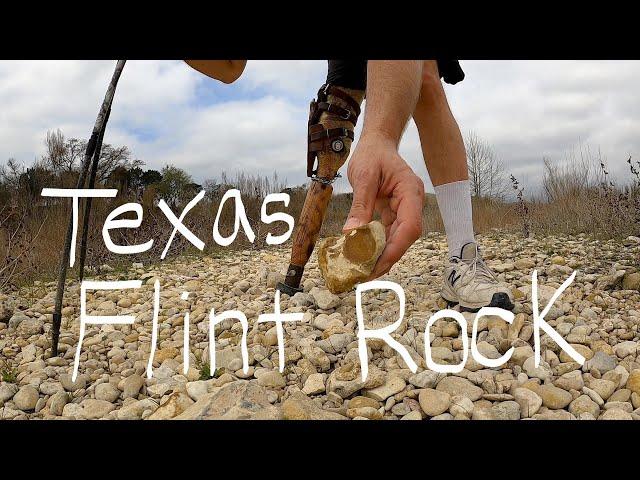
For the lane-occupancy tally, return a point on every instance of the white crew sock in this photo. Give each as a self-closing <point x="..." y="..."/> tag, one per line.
<point x="454" y="202"/>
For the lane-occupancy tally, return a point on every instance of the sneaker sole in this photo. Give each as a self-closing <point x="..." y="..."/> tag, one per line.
<point x="499" y="300"/>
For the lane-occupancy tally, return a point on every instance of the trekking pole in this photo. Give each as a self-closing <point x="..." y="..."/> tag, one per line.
<point x="98" y="129"/>
<point x="87" y="204"/>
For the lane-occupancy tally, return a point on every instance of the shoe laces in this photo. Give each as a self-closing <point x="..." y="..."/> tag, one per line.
<point x="477" y="267"/>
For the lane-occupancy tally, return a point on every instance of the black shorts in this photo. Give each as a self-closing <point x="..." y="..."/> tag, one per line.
<point x="353" y="73"/>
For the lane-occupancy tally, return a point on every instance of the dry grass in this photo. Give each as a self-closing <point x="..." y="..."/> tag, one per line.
<point x="578" y="197"/>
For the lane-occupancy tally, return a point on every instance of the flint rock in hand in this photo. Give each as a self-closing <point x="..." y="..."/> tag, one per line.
<point x="350" y="258"/>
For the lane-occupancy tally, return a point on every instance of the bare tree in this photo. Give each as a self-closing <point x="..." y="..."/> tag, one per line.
<point x="115" y="159"/>
<point x="62" y="155"/>
<point x="486" y="173"/>
<point x="65" y="156"/>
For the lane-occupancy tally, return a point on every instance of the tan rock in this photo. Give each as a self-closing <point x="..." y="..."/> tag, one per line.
<point x="300" y="407"/>
<point x="177" y="403"/>
<point x="239" y="400"/>
<point x="349" y="259"/>
<point x="434" y="402"/>
<point x="633" y="382"/>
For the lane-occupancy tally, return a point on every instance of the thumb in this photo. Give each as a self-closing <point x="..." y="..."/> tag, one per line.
<point x="365" y="191"/>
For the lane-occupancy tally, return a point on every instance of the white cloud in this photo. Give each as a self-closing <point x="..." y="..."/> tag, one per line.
<point x="525" y="110"/>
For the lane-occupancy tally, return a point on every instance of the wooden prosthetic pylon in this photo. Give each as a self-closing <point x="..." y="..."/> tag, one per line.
<point x="329" y="162"/>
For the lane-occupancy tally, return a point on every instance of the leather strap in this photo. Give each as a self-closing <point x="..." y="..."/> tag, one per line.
<point x="331" y="134"/>
<point x="343" y="113"/>
<point x="321" y="139"/>
<point x="329" y="89"/>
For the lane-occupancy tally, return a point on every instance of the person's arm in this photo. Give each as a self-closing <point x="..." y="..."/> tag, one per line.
<point x="227" y="71"/>
<point x="381" y="180"/>
<point x="393" y="89"/>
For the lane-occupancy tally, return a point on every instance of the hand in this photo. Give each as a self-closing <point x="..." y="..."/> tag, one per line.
<point x="383" y="182"/>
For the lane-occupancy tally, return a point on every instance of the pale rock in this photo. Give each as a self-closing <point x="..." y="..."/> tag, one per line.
<point x="29" y="327"/>
<point x="625" y="349"/>
<point x="360" y="401"/>
<point x="553" y="397"/>
<point x="624" y="375"/>
<point x="616" y="414"/>
<point x="50" y="388"/>
<point x="300" y="407"/>
<point x="335" y="343"/>
<point x="57" y="403"/>
<point x="71" y="386"/>
<point x="459" y="386"/>
<point x="324" y="299"/>
<point x="631" y="281"/>
<point x="524" y="263"/>
<point x="414" y="415"/>
<point x="584" y="404"/>
<point x="272" y="379"/>
<point x="366" y="412"/>
<point x="529" y="401"/>
<point x="26" y="398"/>
<point x="623" y="395"/>
<point x="487" y="350"/>
<point x="197" y="389"/>
<point x="124" y="303"/>
<point x="93" y="409"/>
<point x="461" y="406"/>
<point x="542" y="371"/>
<point x="301" y="299"/>
<point x="7" y="391"/>
<point x="509" y="410"/>
<point x="568" y="381"/>
<point x="425" y="379"/>
<point x="391" y="386"/>
<point x="625" y="406"/>
<point x="173" y="406"/>
<point x="270" y="338"/>
<point x="314" y="384"/>
<point x="601" y="362"/>
<point x="521" y="354"/>
<point x="434" y="402"/>
<point x="604" y="388"/>
<point x="444" y="416"/>
<point x="350" y="258"/>
<point x="593" y="395"/>
<point x="135" y="409"/>
<point x="583" y="350"/>
<point x="107" y="392"/>
<point x="73" y="410"/>
<point x="633" y="382"/>
<point x="16" y="319"/>
<point x="131" y="386"/>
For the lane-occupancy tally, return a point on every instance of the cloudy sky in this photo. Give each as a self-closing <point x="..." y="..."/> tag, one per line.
<point x="167" y="113"/>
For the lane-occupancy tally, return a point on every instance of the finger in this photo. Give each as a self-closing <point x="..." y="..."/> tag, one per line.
<point x="406" y="229"/>
<point x="365" y="190"/>
<point x="387" y="215"/>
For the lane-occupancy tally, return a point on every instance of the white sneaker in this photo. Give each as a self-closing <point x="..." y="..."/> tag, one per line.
<point x="470" y="283"/>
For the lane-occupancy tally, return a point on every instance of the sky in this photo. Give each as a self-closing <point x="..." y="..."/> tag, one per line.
<point x="168" y="113"/>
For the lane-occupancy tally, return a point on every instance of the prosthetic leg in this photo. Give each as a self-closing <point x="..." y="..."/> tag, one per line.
<point x="332" y="118"/>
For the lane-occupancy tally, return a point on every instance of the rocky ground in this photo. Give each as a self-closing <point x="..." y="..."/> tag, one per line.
<point x="599" y="315"/>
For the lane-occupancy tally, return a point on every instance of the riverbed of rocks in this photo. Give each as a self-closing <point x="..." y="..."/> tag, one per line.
<point x="599" y="315"/>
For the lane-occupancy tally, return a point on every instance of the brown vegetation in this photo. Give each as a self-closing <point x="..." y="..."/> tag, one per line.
<point x="578" y="197"/>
